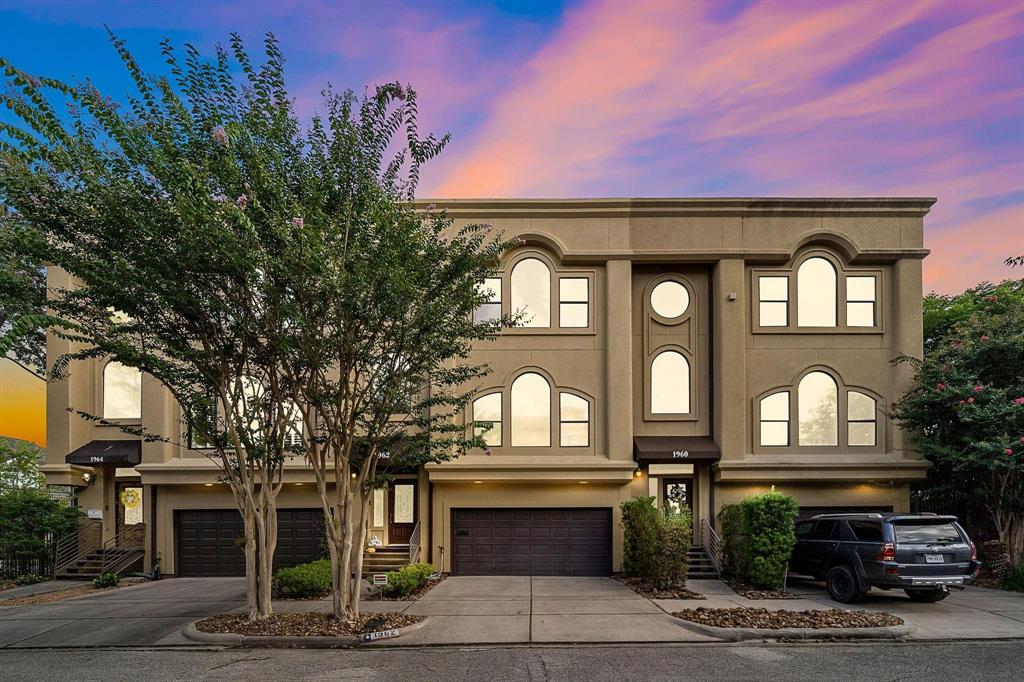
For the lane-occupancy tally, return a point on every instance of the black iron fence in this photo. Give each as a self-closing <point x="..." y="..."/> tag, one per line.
<point x="13" y="564"/>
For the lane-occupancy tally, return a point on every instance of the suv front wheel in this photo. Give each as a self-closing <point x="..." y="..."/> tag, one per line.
<point x="842" y="585"/>
<point x="927" y="596"/>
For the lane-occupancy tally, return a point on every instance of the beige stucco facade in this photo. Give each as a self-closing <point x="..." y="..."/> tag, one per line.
<point x="717" y="249"/>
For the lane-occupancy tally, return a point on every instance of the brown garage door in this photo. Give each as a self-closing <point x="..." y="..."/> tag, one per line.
<point x="208" y="540"/>
<point x="532" y="541"/>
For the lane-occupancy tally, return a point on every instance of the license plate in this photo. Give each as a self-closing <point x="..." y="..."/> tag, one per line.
<point x="933" y="558"/>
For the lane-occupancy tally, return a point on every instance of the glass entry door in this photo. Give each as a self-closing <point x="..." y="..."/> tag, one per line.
<point x="402" y="512"/>
<point x="677" y="494"/>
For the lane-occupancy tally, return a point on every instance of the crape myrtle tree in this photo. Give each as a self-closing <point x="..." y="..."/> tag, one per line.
<point x="22" y="301"/>
<point x="966" y="406"/>
<point x="378" y="349"/>
<point x="171" y="217"/>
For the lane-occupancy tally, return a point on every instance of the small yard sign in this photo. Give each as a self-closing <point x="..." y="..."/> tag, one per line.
<point x="382" y="634"/>
<point x="380" y="579"/>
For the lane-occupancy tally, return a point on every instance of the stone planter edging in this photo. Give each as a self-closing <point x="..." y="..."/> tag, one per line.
<point x="288" y="642"/>
<point x="743" y="634"/>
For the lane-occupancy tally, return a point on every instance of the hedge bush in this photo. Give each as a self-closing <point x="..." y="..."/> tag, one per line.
<point x="304" y="581"/>
<point x="106" y="580"/>
<point x="655" y="543"/>
<point x="758" y="538"/>
<point x="405" y="581"/>
<point x="29" y="579"/>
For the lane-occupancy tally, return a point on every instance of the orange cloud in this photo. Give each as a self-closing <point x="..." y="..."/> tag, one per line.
<point x="22" y="403"/>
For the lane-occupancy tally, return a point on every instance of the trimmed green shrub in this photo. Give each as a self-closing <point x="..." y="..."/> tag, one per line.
<point x="1015" y="578"/>
<point x="405" y="581"/>
<point x="730" y="525"/>
<point x="761" y="548"/>
<point x="106" y="580"/>
<point x="676" y="532"/>
<point x="304" y="581"/>
<point x="29" y="579"/>
<point x="641" y="530"/>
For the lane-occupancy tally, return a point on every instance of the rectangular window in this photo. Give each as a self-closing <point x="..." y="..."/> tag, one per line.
<point x="490" y="310"/>
<point x="775" y="420"/>
<point x="860" y="419"/>
<point x="574" y="302"/>
<point x="574" y="421"/>
<point x="773" y="301"/>
<point x="861" y="300"/>
<point x="378" y="508"/>
<point x="488" y="409"/>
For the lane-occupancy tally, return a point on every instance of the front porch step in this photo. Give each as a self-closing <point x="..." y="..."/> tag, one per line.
<point x="699" y="564"/>
<point x="385" y="559"/>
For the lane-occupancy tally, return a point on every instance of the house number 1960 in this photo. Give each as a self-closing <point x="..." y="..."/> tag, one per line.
<point x="680" y="454"/>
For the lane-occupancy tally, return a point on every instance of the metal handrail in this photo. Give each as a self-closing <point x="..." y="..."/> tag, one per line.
<point x="115" y="549"/>
<point x="712" y="544"/>
<point x="69" y="548"/>
<point x="414" y="544"/>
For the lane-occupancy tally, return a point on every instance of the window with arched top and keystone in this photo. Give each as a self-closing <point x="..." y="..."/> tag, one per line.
<point x="545" y="296"/>
<point x="122" y="391"/>
<point x="818" y="412"/>
<point x="817" y="293"/>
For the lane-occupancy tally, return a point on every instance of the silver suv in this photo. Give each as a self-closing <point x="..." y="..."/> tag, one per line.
<point x="924" y="554"/>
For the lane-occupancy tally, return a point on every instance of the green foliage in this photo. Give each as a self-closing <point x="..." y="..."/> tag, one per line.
<point x="641" y="528"/>
<point x="966" y="405"/>
<point x="758" y="536"/>
<point x="676" y="533"/>
<point x="734" y="547"/>
<point x="1015" y="578"/>
<point x="19" y="465"/>
<point x="405" y="581"/>
<point x="305" y="581"/>
<point x="106" y="580"/>
<point x="22" y="301"/>
<point x="29" y="579"/>
<point x="31" y="521"/>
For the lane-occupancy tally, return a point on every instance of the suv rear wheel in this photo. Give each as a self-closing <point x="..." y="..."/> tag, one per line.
<point x="842" y="585"/>
<point x="927" y="596"/>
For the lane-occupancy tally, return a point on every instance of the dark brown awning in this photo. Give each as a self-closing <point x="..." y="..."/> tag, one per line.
<point x="120" y="453"/>
<point x="678" y="449"/>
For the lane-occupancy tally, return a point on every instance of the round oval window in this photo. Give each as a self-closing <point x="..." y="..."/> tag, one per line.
<point x="670" y="299"/>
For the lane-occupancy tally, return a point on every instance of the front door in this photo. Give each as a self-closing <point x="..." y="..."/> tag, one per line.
<point x="401" y="511"/>
<point x="678" y="494"/>
<point x="129" y="506"/>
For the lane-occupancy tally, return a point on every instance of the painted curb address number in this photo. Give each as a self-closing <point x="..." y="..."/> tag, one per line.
<point x="382" y="634"/>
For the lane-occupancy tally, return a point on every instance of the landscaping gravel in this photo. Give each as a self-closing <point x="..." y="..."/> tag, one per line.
<point x="305" y="624"/>
<point x="47" y="597"/>
<point x="768" y="619"/>
<point x="751" y="592"/>
<point x="644" y="588"/>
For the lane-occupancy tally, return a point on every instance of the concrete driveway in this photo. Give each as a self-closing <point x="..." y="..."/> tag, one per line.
<point x="147" y="614"/>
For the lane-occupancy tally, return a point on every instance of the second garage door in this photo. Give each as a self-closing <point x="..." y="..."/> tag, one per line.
<point x="531" y="541"/>
<point x="209" y="540"/>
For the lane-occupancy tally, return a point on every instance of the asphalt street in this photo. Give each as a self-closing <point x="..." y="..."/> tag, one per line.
<point x="917" y="661"/>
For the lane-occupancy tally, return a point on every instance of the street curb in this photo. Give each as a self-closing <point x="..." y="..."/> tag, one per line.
<point x="744" y="634"/>
<point x="252" y="641"/>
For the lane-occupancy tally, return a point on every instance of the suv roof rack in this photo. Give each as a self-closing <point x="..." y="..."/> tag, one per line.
<point x="862" y="515"/>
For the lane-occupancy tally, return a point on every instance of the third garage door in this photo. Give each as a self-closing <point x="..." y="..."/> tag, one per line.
<point x="532" y="541"/>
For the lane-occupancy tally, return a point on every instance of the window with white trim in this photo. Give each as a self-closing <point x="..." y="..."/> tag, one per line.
<point x="861" y="419"/>
<point x="574" y="421"/>
<point x="122" y="391"/>
<point x="530" y="285"/>
<point x="574" y="302"/>
<point x="487" y="419"/>
<point x="670" y="383"/>
<point x="774" y="411"/>
<point x="530" y="406"/>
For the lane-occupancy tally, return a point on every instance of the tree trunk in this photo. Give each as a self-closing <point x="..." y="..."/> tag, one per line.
<point x="362" y="524"/>
<point x="267" y="549"/>
<point x="251" y="577"/>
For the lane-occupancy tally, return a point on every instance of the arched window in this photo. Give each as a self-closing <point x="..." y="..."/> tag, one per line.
<point x="818" y="397"/>
<point x="488" y="409"/>
<point x="531" y="292"/>
<point x="122" y="392"/>
<point x="531" y="411"/>
<point x="816" y="294"/>
<point x="860" y="418"/>
<point x="670" y="383"/>
<point x="574" y="421"/>
<point x="775" y="419"/>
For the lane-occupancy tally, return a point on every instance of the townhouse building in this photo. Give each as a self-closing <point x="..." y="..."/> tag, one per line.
<point x="694" y="350"/>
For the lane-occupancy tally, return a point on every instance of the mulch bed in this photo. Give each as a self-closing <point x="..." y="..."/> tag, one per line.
<point x="48" y="597"/>
<point x="777" y="620"/>
<point x="644" y="588"/>
<point x="305" y="624"/>
<point x="412" y="596"/>
<point x="751" y="592"/>
<point x="7" y="584"/>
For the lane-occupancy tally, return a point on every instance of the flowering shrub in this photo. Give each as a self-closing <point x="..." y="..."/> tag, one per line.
<point x="966" y="408"/>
